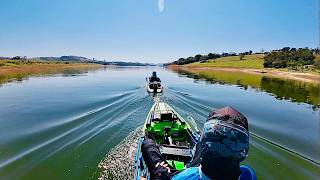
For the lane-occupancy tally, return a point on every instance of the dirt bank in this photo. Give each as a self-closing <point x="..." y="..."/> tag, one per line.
<point x="37" y="68"/>
<point x="21" y="72"/>
<point x="300" y="76"/>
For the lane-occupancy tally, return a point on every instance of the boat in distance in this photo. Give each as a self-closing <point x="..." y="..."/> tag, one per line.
<point x="154" y="84"/>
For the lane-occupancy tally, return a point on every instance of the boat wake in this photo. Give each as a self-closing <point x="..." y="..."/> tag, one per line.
<point x="119" y="162"/>
<point x="265" y="156"/>
<point x="95" y="127"/>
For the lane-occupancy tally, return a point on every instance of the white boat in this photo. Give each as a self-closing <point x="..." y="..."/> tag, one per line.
<point x="154" y="84"/>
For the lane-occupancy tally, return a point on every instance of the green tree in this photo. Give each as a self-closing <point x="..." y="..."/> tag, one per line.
<point x="211" y="56"/>
<point x="289" y="58"/>
<point x="293" y="49"/>
<point x="286" y="49"/>
<point x="317" y="63"/>
<point x="197" y="57"/>
<point x="241" y="56"/>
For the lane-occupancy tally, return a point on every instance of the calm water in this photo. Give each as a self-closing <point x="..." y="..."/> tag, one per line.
<point x="61" y="126"/>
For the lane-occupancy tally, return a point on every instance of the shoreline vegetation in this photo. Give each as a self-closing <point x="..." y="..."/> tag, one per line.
<point x="301" y="64"/>
<point x="293" y="89"/>
<point x="310" y="77"/>
<point x="18" y="70"/>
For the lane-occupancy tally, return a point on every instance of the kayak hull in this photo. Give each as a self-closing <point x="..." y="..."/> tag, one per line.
<point x="175" y="138"/>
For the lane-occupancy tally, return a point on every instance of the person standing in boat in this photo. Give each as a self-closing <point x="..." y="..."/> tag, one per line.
<point x="222" y="146"/>
<point x="154" y="77"/>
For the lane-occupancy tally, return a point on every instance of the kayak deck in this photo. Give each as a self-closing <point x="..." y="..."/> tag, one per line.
<point x="167" y="127"/>
<point x="171" y="133"/>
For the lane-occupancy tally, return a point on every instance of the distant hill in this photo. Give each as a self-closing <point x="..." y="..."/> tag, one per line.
<point x="120" y="63"/>
<point x="82" y="60"/>
<point x="66" y="58"/>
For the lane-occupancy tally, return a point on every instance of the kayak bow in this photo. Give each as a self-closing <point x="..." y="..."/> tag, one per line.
<point x="174" y="136"/>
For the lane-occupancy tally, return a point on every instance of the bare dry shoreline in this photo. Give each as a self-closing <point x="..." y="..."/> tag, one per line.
<point x="21" y="72"/>
<point x="42" y="67"/>
<point x="299" y="76"/>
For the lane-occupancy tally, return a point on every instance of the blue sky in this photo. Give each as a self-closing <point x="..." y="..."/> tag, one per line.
<point x="137" y="30"/>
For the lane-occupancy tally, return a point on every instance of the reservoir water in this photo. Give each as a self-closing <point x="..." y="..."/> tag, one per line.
<point x="60" y="126"/>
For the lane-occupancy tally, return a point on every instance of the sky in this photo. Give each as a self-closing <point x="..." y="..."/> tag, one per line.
<point x="154" y="30"/>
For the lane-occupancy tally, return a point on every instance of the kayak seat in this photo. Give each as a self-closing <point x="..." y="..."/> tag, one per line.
<point x="177" y="151"/>
<point x="166" y="117"/>
<point x="177" y="132"/>
<point x="178" y="165"/>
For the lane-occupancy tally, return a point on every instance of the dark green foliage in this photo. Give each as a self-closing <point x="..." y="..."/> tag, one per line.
<point x="284" y="58"/>
<point x="241" y="56"/>
<point x="289" y="57"/>
<point x="285" y="49"/>
<point x="317" y="63"/>
<point x="246" y="53"/>
<point x="290" y="89"/>
<point x="279" y="64"/>
<point x="316" y="50"/>
<point x="293" y="49"/>
<point x="188" y="60"/>
<point x="16" y="58"/>
<point x="213" y="56"/>
<point x="196" y="58"/>
<point x="204" y="58"/>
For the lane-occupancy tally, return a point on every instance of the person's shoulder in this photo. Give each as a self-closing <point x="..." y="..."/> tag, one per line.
<point x="247" y="173"/>
<point x="190" y="173"/>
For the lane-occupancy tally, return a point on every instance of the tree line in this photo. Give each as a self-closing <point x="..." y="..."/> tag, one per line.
<point x="283" y="58"/>
<point x="201" y="58"/>
<point x="291" y="58"/>
<point x="210" y="56"/>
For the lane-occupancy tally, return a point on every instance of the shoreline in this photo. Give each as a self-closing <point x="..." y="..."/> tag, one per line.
<point x="21" y="72"/>
<point x="293" y="75"/>
<point x="43" y="67"/>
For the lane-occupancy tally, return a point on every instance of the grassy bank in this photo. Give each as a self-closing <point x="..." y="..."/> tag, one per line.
<point x="15" y="63"/>
<point x="311" y="77"/>
<point x="11" y="70"/>
<point x="254" y="61"/>
<point x="249" y="61"/>
<point x="252" y="64"/>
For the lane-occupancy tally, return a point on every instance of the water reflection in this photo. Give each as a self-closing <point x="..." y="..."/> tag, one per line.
<point x="295" y="91"/>
<point x="25" y="74"/>
<point x="50" y="121"/>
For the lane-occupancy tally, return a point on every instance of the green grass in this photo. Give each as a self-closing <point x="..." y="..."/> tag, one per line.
<point x="16" y="63"/>
<point x="11" y="70"/>
<point x="249" y="61"/>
